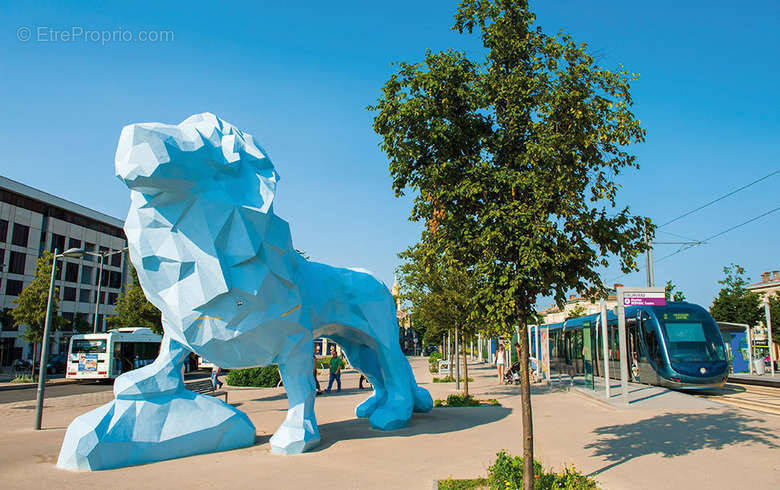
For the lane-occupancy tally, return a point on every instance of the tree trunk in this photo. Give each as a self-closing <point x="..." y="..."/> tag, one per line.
<point x="450" y="345"/>
<point x="465" y="370"/>
<point x="525" y="390"/>
<point x="34" y="357"/>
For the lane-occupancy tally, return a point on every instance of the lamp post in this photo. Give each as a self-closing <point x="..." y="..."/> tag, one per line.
<point x="75" y="253"/>
<point x="770" y="343"/>
<point x="100" y="281"/>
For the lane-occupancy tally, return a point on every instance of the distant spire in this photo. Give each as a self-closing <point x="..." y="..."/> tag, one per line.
<point x="396" y="290"/>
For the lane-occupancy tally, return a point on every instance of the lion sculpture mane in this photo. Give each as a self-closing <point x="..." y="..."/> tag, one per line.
<point x="220" y="265"/>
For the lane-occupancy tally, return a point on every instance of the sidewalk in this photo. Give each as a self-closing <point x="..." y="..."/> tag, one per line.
<point x="643" y="447"/>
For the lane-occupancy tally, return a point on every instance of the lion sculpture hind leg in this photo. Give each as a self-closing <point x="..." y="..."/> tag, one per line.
<point x="358" y="312"/>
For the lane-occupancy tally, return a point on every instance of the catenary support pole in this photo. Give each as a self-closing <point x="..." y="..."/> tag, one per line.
<point x="623" y="344"/>
<point x="605" y="345"/>
<point x="768" y="315"/>
<point x="750" y="349"/>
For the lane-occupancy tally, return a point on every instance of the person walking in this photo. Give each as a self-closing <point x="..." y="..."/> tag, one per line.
<point x="317" y="381"/>
<point x="363" y="378"/>
<point x="215" y="382"/>
<point x="335" y="370"/>
<point x="500" y="362"/>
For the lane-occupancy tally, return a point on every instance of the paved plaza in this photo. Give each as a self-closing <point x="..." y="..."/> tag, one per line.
<point x="666" y="441"/>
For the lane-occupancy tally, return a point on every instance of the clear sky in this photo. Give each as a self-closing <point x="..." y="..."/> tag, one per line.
<point x="300" y="77"/>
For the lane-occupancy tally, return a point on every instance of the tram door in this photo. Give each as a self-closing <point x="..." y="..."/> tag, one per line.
<point x="632" y="339"/>
<point x="651" y="353"/>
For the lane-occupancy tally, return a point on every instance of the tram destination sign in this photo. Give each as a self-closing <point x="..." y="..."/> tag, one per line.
<point x="644" y="298"/>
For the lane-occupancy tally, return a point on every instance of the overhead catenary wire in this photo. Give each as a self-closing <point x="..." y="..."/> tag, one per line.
<point x="724" y="196"/>
<point x="716" y="235"/>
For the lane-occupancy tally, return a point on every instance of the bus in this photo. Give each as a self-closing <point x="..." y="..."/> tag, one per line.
<point x="107" y="355"/>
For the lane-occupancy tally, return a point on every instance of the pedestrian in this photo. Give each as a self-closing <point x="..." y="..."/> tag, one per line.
<point x="335" y="370"/>
<point x="363" y="378"/>
<point x="215" y="382"/>
<point x="500" y="360"/>
<point x="317" y="381"/>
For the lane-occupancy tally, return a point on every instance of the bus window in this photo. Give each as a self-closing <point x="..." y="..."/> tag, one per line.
<point x="84" y="346"/>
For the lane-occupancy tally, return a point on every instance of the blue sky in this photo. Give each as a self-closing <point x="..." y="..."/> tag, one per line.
<point x="300" y="78"/>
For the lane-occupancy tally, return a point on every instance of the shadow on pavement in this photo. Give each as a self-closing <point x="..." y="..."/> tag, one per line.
<point x="437" y="421"/>
<point x="675" y="434"/>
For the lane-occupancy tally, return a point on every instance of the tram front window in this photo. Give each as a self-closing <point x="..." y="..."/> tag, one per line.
<point x="689" y="340"/>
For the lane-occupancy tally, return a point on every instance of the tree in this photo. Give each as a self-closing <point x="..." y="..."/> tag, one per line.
<point x="442" y="295"/>
<point x="734" y="302"/>
<point x="32" y="302"/>
<point x="134" y="310"/>
<point x="576" y="312"/>
<point x="673" y="295"/>
<point x="774" y="312"/>
<point x="512" y="159"/>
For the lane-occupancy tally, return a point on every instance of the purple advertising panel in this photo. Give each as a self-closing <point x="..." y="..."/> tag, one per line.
<point x="644" y="299"/>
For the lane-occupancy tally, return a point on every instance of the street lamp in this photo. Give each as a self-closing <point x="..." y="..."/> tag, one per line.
<point x="74" y="253"/>
<point x="100" y="280"/>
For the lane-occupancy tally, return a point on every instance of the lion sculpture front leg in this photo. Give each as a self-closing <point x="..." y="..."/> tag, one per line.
<point x="153" y="417"/>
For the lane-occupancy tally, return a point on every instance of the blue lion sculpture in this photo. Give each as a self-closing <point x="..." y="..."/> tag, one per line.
<point x="214" y="258"/>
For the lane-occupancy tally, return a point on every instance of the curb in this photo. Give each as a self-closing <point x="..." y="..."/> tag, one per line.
<point x="25" y="386"/>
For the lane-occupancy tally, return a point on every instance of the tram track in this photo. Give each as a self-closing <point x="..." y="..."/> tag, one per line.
<point x="750" y="397"/>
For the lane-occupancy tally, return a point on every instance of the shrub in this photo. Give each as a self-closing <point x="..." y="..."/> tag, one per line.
<point x="461" y="400"/>
<point x="507" y="472"/>
<point x="434" y="357"/>
<point x="22" y="379"/>
<point x="262" y="377"/>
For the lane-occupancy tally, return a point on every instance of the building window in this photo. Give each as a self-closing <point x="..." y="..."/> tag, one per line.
<point x="57" y="242"/>
<point x="102" y="299"/>
<point x="13" y="288"/>
<point x="86" y="274"/>
<point x="71" y="272"/>
<point x="116" y="259"/>
<point x="68" y="316"/>
<point x="102" y="250"/>
<point x="74" y="243"/>
<point x="104" y="281"/>
<point x="84" y="295"/>
<point x="116" y="280"/>
<point x="58" y="271"/>
<point x="88" y="247"/>
<point x="2" y="258"/>
<point x="3" y="230"/>
<point x="20" y="235"/>
<point x="112" y="298"/>
<point x="16" y="262"/>
<point x="69" y="294"/>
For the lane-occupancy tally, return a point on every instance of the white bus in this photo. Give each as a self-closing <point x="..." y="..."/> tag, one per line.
<point x="107" y="355"/>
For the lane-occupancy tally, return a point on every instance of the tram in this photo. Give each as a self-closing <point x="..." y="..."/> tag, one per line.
<point x="676" y="346"/>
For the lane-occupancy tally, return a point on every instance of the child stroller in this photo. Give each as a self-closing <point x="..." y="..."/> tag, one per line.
<point x="512" y="375"/>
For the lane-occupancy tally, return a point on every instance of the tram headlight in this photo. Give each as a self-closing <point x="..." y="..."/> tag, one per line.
<point x="703" y="370"/>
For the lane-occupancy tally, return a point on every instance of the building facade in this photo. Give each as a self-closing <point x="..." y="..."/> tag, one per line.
<point x="33" y="221"/>
<point x="583" y="306"/>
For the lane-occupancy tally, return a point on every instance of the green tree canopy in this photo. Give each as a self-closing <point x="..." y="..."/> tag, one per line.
<point x="734" y="302"/>
<point x="132" y="309"/>
<point x="671" y="294"/>
<point x="31" y="303"/>
<point x="512" y="160"/>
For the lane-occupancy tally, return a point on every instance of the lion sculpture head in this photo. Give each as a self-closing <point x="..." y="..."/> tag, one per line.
<point x="209" y="251"/>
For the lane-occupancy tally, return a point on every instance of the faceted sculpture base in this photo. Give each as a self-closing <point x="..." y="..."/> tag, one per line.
<point x="131" y="432"/>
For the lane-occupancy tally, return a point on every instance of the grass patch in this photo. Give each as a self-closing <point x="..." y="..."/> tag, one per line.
<point x="460" y="400"/>
<point x="23" y="379"/>
<point x="474" y="483"/>
<point x="448" y="379"/>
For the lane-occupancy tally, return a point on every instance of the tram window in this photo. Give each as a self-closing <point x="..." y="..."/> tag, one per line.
<point x="651" y="341"/>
